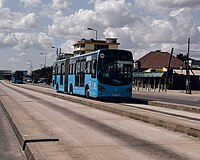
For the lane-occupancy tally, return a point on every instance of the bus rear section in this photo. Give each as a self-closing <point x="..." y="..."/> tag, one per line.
<point x="60" y="75"/>
<point x="17" y="77"/>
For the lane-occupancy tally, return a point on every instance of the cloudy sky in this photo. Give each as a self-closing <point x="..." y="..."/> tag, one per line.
<point x="31" y="27"/>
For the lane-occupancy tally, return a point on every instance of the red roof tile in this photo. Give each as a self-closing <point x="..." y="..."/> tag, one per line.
<point x="158" y="59"/>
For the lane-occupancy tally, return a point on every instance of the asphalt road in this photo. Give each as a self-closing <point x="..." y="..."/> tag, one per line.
<point x="9" y="146"/>
<point x="180" y="98"/>
<point x="86" y="133"/>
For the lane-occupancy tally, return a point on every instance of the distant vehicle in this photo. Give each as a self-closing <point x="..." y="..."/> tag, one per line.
<point x="17" y="77"/>
<point x="28" y="81"/>
<point x="103" y="73"/>
<point x="41" y="80"/>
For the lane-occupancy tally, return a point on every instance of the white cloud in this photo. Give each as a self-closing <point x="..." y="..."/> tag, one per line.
<point x="7" y="40"/>
<point x="159" y="5"/>
<point x="124" y="34"/>
<point x="105" y="14"/>
<point x="115" y="19"/>
<point x="22" y="40"/>
<point x="75" y="24"/>
<point x="114" y="13"/>
<point x="21" y="54"/>
<point x="198" y="28"/>
<point x="14" y="59"/>
<point x="26" y="40"/>
<point x="16" y="20"/>
<point x="177" y="12"/>
<point x="2" y="3"/>
<point x="28" y="21"/>
<point x="30" y="3"/>
<point x="8" y="18"/>
<point x="67" y="47"/>
<point x="44" y="41"/>
<point x="60" y="4"/>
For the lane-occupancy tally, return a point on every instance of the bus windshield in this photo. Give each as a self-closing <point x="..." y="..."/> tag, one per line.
<point x="18" y="76"/>
<point x="115" y="67"/>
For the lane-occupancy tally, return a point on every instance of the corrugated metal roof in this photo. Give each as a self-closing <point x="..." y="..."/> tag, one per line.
<point x="148" y="74"/>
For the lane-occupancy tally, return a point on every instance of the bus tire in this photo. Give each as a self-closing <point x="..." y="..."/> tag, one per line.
<point x="87" y="92"/>
<point x="71" y="89"/>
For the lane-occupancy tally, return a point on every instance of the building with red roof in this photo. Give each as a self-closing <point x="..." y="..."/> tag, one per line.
<point x="157" y="70"/>
<point x="159" y="61"/>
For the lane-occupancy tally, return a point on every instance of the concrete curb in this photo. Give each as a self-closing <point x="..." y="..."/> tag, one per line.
<point x="181" y="107"/>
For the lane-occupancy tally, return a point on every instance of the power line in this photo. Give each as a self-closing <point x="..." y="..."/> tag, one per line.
<point x="185" y="50"/>
<point x="169" y="19"/>
<point x="180" y="44"/>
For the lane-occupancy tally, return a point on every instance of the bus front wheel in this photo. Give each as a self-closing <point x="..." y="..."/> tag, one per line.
<point x="71" y="90"/>
<point x="87" y="92"/>
<point x="57" y="89"/>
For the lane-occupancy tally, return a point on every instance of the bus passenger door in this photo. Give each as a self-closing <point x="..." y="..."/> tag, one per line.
<point x="82" y="73"/>
<point x="67" y="70"/>
<point x="77" y="75"/>
<point x="62" y="71"/>
<point x="56" y="74"/>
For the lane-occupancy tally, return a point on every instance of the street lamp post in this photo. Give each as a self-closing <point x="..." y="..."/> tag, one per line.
<point x="31" y="66"/>
<point x="45" y="59"/>
<point x="57" y="51"/>
<point x="93" y="30"/>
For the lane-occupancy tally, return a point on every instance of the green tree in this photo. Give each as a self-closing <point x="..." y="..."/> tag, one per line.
<point x="45" y="73"/>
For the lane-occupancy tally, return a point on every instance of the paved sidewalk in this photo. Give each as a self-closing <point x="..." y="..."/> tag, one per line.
<point x="194" y="92"/>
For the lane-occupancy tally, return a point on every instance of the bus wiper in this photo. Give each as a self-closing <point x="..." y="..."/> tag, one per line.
<point x="116" y="81"/>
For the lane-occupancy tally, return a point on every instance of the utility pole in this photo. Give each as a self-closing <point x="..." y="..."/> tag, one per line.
<point x="188" y="87"/>
<point x="45" y="59"/>
<point x="168" y="68"/>
<point x="31" y="66"/>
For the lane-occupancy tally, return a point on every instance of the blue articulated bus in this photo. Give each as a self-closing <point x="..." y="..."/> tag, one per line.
<point x="100" y="74"/>
<point x="17" y="77"/>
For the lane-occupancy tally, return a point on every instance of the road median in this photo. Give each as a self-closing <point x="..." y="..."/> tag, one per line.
<point x="175" y="106"/>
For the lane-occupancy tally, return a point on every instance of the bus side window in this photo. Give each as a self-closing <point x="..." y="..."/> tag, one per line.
<point x="54" y="69"/>
<point x="57" y="69"/>
<point x="71" y="69"/>
<point x="62" y="68"/>
<point x="77" y="67"/>
<point x="94" y="65"/>
<point x="88" y="67"/>
<point x="83" y="65"/>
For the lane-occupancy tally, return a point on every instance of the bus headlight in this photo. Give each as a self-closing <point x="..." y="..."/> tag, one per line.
<point x="100" y="88"/>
